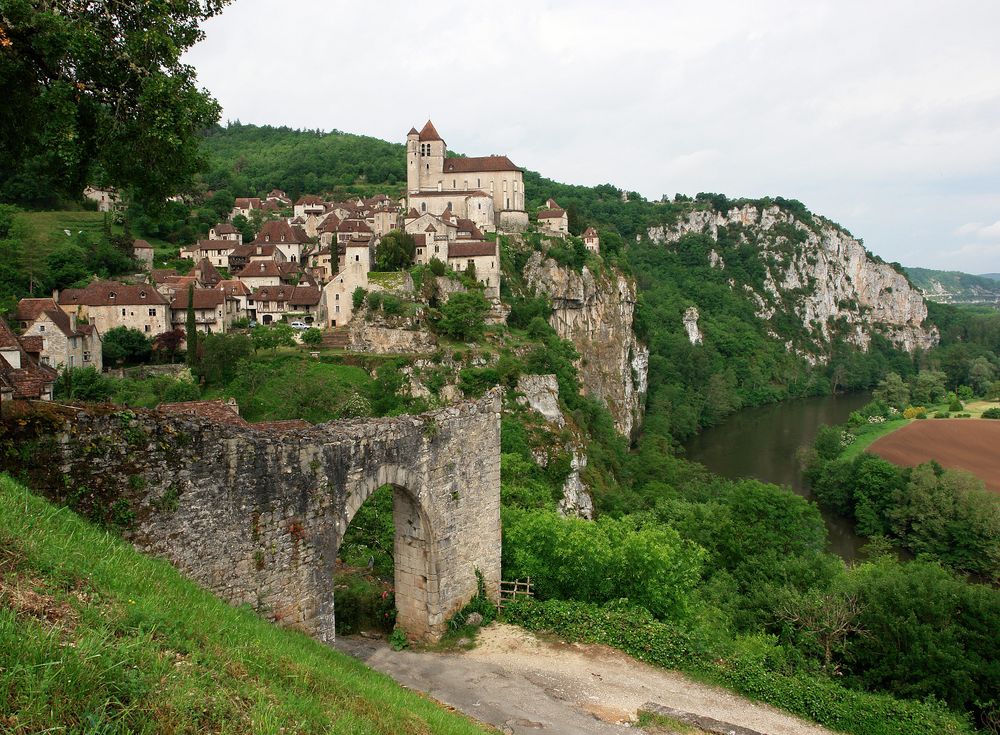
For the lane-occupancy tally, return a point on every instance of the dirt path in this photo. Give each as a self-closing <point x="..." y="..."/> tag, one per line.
<point x="520" y="684"/>
<point x="966" y="444"/>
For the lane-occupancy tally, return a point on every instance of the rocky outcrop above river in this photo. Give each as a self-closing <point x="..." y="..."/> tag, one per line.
<point x="596" y="314"/>
<point x="817" y="270"/>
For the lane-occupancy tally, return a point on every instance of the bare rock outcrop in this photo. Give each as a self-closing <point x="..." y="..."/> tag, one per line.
<point x="819" y="271"/>
<point x="596" y="314"/>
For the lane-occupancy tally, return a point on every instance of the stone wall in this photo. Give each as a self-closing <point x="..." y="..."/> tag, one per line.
<point x="257" y="517"/>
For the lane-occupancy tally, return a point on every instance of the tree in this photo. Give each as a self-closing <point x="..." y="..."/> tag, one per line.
<point x="312" y="337"/>
<point x="192" y="329"/>
<point x="981" y="375"/>
<point x="124" y="346"/>
<point x="928" y="387"/>
<point x="168" y="343"/>
<point x="892" y="391"/>
<point x="246" y="229"/>
<point x="463" y="317"/>
<point x="99" y="91"/>
<point x="273" y="337"/>
<point x="395" y="251"/>
<point x="222" y="354"/>
<point x="827" y="619"/>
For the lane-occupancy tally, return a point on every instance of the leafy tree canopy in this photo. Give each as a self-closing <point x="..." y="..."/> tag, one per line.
<point x="97" y="92"/>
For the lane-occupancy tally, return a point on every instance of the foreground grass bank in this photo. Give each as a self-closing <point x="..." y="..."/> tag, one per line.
<point x="95" y="637"/>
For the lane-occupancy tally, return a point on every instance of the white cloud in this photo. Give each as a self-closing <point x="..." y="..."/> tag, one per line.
<point x="883" y="116"/>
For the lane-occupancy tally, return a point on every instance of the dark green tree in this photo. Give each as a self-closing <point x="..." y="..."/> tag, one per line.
<point x="395" y="251"/>
<point x="124" y="346"/>
<point x="98" y="92"/>
<point x="463" y="317"/>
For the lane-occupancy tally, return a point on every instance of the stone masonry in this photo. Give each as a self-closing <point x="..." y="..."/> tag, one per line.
<point x="257" y="516"/>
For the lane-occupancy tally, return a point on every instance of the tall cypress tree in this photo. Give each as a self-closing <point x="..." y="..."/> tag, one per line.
<point x="192" y="330"/>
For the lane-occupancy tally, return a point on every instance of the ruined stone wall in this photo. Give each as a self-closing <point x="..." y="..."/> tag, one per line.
<point x="257" y="516"/>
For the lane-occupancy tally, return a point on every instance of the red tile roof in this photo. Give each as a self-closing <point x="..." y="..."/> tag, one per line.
<point x="28" y="310"/>
<point x="204" y="298"/>
<point x="260" y="269"/>
<point x="110" y="293"/>
<point x="141" y="245"/>
<point x="299" y="295"/>
<point x="247" y="203"/>
<point x="277" y="231"/>
<point x="471" y="249"/>
<point x="309" y="199"/>
<point x="233" y="288"/>
<point x="552" y="214"/>
<point x="482" y="163"/>
<point x="429" y="132"/>
<point x="353" y="225"/>
<point x="225" y="228"/>
<point x="590" y="232"/>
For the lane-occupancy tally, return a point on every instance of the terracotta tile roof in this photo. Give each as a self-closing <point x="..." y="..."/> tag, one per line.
<point x="471" y="249"/>
<point x="204" y="298"/>
<point x="247" y="203"/>
<point x="158" y="274"/>
<point x="552" y="214"/>
<point x="353" y="225"/>
<point x="33" y="343"/>
<point x="217" y="411"/>
<point x="590" y="232"/>
<point x="277" y="231"/>
<point x="28" y="310"/>
<point x="481" y="163"/>
<point x="298" y="295"/>
<point x="467" y="225"/>
<point x="141" y="245"/>
<point x="330" y="224"/>
<point x="420" y="240"/>
<point x="31" y="380"/>
<point x="413" y="131"/>
<point x="260" y="269"/>
<point x="297" y="221"/>
<point x="110" y="293"/>
<point x="8" y="340"/>
<point x="412" y="213"/>
<point x="253" y="249"/>
<point x="310" y="199"/>
<point x="286" y="425"/>
<point x="300" y="233"/>
<point x="205" y="272"/>
<point x="233" y="288"/>
<point x="270" y="206"/>
<point x="429" y="132"/>
<point x="225" y="228"/>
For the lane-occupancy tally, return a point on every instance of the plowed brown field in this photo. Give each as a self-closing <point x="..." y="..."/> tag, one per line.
<point x="966" y="444"/>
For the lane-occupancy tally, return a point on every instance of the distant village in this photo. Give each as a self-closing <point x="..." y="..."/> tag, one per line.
<point x="307" y="260"/>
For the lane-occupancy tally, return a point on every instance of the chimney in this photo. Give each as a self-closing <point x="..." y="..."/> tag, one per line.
<point x="72" y="322"/>
<point x="55" y="295"/>
<point x="231" y="403"/>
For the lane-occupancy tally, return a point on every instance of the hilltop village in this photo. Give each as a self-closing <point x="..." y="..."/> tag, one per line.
<point x="309" y="259"/>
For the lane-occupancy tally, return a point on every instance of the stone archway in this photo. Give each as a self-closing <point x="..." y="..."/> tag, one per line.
<point x="256" y="515"/>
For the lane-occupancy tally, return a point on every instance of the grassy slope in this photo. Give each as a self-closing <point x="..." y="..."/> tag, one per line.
<point x="95" y="637"/>
<point x="53" y="223"/>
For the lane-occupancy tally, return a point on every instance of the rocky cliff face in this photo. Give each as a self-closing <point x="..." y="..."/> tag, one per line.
<point x="596" y="314"/>
<point x="820" y="272"/>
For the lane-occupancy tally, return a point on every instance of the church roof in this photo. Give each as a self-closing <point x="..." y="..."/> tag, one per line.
<point x="482" y="163"/>
<point x="413" y="131"/>
<point x="429" y="132"/>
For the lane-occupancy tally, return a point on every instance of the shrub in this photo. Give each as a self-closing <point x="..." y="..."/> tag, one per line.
<point x="438" y="268"/>
<point x="942" y="415"/>
<point x="358" y="297"/>
<point x="463" y="317"/>
<point x="374" y="300"/>
<point x="991" y="413"/>
<point x="914" y="412"/>
<point x="312" y="337"/>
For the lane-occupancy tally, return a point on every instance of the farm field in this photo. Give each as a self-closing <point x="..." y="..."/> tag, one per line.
<point x="965" y="444"/>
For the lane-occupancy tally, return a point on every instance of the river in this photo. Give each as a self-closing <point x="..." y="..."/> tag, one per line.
<point x="763" y="443"/>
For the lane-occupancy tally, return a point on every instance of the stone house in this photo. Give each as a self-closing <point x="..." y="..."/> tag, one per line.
<point x="591" y="241"/>
<point x="338" y="294"/>
<point x="324" y="263"/>
<point x="244" y="206"/>
<point x="481" y="257"/>
<point x="260" y="273"/>
<point x="309" y="205"/>
<point x="22" y="376"/>
<point x="354" y="229"/>
<point x="225" y="231"/>
<point x="107" y="200"/>
<point x="326" y="231"/>
<point x="213" y="311"/>
<point x="110" y="304"/>
<point x="284" y="237"/>
<point x="239" y="294"/>
<point x="274" y="303"/>
<point x="435" y="180"/>
<point x="142" y="251"/>
<point x="217" y="251"/>
<point x="64" y="343"/>
<point x="251" y="252"/>
<point x="205" y="273"/>
<point x="553" y="218"/>
<point x="279" y="197"/>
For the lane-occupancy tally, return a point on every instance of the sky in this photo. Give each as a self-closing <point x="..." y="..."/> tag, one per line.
<point x="883" y="116"/>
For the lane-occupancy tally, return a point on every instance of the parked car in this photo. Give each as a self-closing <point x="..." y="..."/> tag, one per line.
<point x="299" y="325"/>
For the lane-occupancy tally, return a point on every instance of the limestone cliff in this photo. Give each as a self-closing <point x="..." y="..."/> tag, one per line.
<point x="816" y="270"/>
<point x="596" y="312"/>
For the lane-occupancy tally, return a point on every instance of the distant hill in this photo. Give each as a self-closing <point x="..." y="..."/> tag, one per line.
<point x="954" y="287"/>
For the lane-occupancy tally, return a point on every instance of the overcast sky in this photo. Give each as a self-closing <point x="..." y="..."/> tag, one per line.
<point x="883" y="116"/>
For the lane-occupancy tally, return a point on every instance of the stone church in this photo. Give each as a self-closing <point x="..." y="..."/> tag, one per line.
<point x="488" y="190"/>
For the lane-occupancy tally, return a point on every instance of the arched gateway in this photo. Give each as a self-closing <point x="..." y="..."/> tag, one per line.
<point x="257" y="515"/>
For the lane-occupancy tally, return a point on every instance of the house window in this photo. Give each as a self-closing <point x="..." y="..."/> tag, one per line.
<point x="41" y="327"/>
<point x="71" y="360"/>
<point x="86" y="357"/>
<point x="123" y="312"/>
<point x="147" y="328"/>
<point x="336" y="309"/>
<point x="336" y="297"/>
<point x="152" y="312"/>
<point x="470" y="263"/>
<point x="423" y="206"/>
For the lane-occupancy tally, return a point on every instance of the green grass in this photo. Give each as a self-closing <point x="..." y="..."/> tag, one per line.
<point x="97" y="638"/>
<point x="868" y="434"/>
